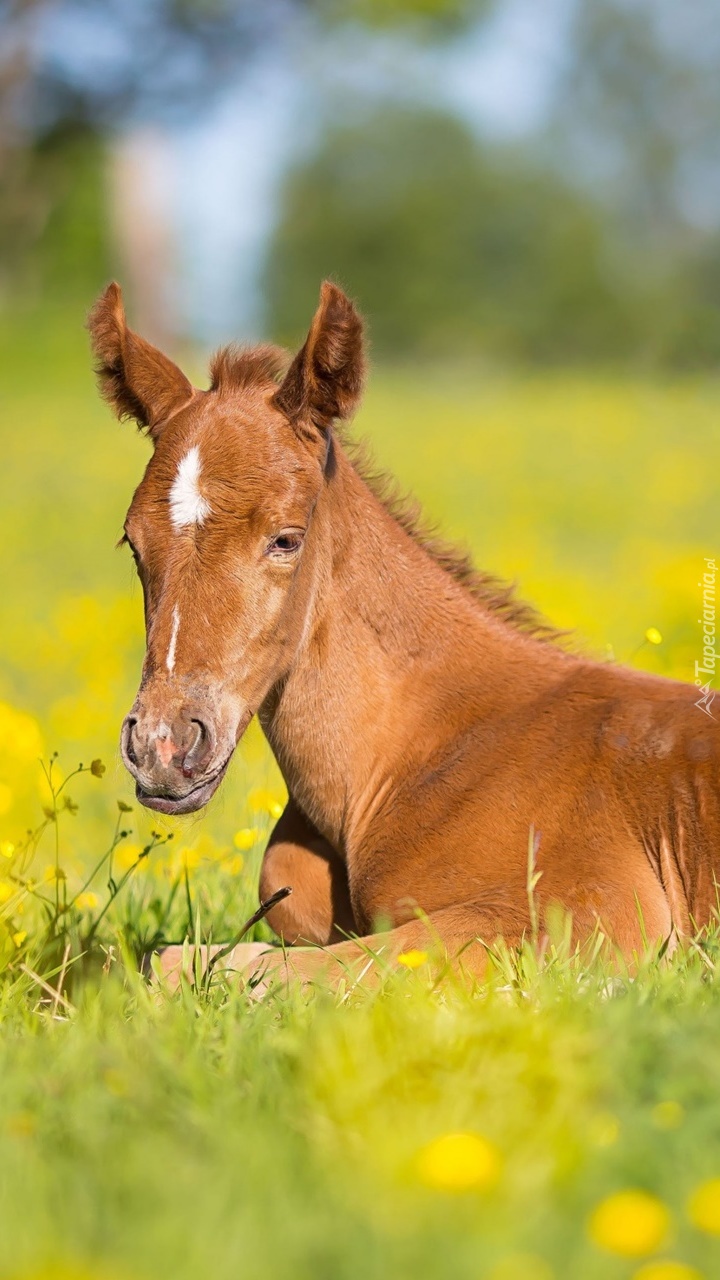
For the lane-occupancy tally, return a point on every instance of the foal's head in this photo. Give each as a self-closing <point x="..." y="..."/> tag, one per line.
<point x="222" y="532"/>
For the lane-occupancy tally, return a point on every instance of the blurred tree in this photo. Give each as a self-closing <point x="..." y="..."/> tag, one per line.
<point x="434" y="15"/>
<point x="75" y="70"/>
<point x="100" y="64"/>
<point x="450" y="248"/>
<point x="105" y="62"/>
<point x="636" y="112"/>
<point x="635" y="124"/>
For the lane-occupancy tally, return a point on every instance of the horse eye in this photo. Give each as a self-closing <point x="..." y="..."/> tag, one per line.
<point x="286" y="544"/>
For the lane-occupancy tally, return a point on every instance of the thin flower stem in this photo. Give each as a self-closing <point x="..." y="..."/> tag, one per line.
<point x="108" y="854"/>
<point x="111" y="852"/>
<point x="145" y="853"/>
<point x="80" y="769"/>
<point x="113" y="896"/>
<point x="57" y="856"/>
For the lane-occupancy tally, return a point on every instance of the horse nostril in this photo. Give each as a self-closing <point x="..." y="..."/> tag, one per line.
<point x="197" y="746"/>
<point x="128" y="731"/>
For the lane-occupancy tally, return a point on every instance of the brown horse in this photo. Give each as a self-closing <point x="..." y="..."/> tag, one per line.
<point x="424" y="722"/>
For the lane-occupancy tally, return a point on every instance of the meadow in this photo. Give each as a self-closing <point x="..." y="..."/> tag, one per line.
<point x="560" y="1121"/>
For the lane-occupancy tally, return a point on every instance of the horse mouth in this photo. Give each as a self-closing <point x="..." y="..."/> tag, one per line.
<point x="188" y="803"/>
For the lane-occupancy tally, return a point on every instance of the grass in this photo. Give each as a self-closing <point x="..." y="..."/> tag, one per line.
<point x="226" y="1138"/>
<point x="208" y="1134"/>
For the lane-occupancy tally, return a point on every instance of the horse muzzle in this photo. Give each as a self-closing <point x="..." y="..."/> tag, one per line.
<point x="190" y="802"/>
<point x="175" y="765"/>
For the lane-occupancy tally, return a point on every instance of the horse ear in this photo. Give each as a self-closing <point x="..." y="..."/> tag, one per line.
<point x="136" y="379"/>
<point x="325" y="379"/>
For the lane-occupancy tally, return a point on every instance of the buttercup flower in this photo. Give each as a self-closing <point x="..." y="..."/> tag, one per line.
<point x="412" y="959"/>
<point x="653" y="636"/>
<point x="54" y="873"/>
<point x="630" y="1223"/>
<point x="126" y="855"/>
<point x="260" y="798"/>
<point x="87" y="901"/>
<point x="245" y="838"/>
<point x="667" y="1271"/>
<point x="459" y="1162"/>
<point x="703" y="1207"/>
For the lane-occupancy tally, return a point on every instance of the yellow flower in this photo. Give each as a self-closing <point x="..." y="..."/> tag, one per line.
<point x="7" y="848"/>
<point x="245" y="838"/>
<point x="97" y="768"/>
<point x="87" y="901"/>
<point x="666" y="1271"/>
<point x="704" y="1207"/>
<point x="630" y="1223"/>
<point x="19" y="734"/>
<point x="412" y="959"/>
<point x="126" y="855"/>
<point x="653" y="636"/>
<point x="459" y="1162"/>
<point x="261" y="798"/>
<point x="233" y="866"/>
<point x="54" y="873"/>
<point x="19" y="937"/>
<point x="667" y="1115"/>
<point x="190" y="858"/>
<point x="6" y="891"/>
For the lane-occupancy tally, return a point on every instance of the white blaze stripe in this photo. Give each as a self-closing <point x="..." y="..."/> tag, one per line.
<point x="170" y="660"/>
<point x="187" y="505"/>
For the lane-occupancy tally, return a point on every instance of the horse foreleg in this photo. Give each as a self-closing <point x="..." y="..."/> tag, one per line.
<point x="318" y="910"/>
<point x="456" y="937"/>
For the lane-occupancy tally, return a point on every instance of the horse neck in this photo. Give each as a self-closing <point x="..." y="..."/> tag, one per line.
<point x="397" y="657"/>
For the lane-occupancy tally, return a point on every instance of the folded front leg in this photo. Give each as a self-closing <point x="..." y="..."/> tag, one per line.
<point x="297" y="856"/>
<point x="458" y="937"/>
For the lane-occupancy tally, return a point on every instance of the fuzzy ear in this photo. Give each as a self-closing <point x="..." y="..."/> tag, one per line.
<point x="136" y="379"/>
<point x="325" y="379"/>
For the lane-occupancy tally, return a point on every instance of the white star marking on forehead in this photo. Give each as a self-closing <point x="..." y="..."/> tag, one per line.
<point x="187" y="505"/>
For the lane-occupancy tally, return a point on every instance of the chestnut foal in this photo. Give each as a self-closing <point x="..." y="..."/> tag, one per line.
<point x="424" y="723"/>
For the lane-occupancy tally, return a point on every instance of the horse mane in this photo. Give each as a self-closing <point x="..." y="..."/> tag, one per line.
<point x="494" y="593"/>
<point x="236" y="368"/>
